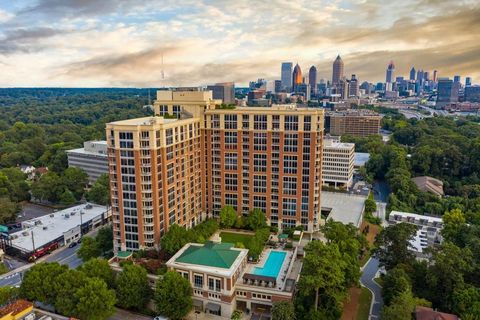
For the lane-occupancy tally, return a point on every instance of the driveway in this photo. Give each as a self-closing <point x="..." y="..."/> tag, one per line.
<point x="369" y="272"/>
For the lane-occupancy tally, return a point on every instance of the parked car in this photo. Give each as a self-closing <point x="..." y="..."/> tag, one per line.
<point x="73" y="244"/>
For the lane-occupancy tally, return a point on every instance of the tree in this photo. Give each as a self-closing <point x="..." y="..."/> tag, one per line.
<point x="175" y="238"/>
<point x="75" y="179"/>
<point x="467" y="302"/>
<point x="8" y="294"/>
<point x="89" y="249"/>
<point x="394" y="283"/>
<point x="132" y="288"/>
<point x="236" y="315"/>
<point x="228" y="217"/>
<point x="67" y="198"/>
<point x="173" y="296"/>
<point x="8" y="210"/>
<point x="39" y="282"/>
<point x="370" y="206"/>
<point x="454" y="223"/>
<point x="283" y="310"/>
<point x="105" y="239"/>
<point x="402" y="307"/>
<point x="66" y="285"/>
<point x="94" y="300"/>
<point x="256" y="219"/>
<point x="49" y="187"/>
<point x="322" y="272"/>
<point x="99" y="268"/>
<point x="100" y="191"/>
<point x="392" y="245"/>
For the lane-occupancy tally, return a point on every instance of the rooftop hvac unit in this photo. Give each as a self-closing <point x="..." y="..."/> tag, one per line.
<point x="52" y="215"/>
<point x="67" y="216"/>
<point x="25" y="233"/>
<point x="72" y="213"/>
<point x="45" y="228"/>
<point x="88" y="206"/>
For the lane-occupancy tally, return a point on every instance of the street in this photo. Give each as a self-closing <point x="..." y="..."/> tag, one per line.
<point x="127" y="315"/>
<point x="369" y="272"/>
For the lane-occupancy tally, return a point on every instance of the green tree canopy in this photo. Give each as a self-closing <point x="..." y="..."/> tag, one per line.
<point x="283" y="310"/>
<point x="100" y="191"/>
<point x="175" y="238"/>
<point x="89" y="249"/>
<point x="99" y="268"/>
<point x="173" y="296"/>
<point x="228" y="217"/>
<point x="94" y="300"/>
<point x="256" y="219"/>
<point x="132" y="287"/>
<point x="38" y="283"/>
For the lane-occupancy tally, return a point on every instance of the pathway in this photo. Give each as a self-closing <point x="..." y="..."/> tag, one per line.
<point x="369" y="273"/>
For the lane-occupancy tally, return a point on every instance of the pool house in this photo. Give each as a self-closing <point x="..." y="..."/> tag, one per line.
<point x="223" y="280"/>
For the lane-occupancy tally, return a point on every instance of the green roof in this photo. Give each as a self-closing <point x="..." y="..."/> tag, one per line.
<point x="218" y="255"/>
<point x="123" y="254"/>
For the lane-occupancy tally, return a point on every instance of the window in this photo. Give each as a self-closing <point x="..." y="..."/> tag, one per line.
<point x="260" y="122"/>
<point x="289" y="207"/>
<point x="163" y="110"/>
<point x="307" y="123"/>
<point x="230" y="121"/>
<point x="214" y="284"/>
<point x="260" y="184"/>
<point x="230" y="139"/>
<point x="231" y="181"/>
<point x="215" y="121"/>
<point x="291" y="123"/>
<point x="290" y="185"/>
<point x="245" y="121"/>
<point x="198" y="281"/>
<point x="260" y="141"/>
<point x="276" y="122"/>
<point x="260" y="162"/>
<point x="290" y="142"/>
<point x="290" y="164"/>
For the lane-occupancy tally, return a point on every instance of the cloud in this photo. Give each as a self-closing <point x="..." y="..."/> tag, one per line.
<point x="5" y="16"/>
<point x="120" y="42"/>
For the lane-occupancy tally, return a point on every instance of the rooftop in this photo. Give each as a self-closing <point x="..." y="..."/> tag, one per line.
<point x="338" y="145"/>
<point x="415" y="216"/>
<point x="50" y="227"/>
<point x="429" y="184"/>
<point x="217" y="255"/>
<point x="145" y="121"/>
<point x="424" y="313"/>
<point x="345" y="208"/>
<point x="15" y="308"/>
<point x="361" y="158"/>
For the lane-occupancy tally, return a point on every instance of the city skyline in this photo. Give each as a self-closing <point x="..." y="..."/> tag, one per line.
<point x="111" y="43"/>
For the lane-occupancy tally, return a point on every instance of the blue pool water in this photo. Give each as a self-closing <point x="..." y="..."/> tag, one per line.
<point x="272" y="266"/>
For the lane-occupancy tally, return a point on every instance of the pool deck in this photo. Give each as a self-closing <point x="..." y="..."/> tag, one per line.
<point x="282" y="274"/>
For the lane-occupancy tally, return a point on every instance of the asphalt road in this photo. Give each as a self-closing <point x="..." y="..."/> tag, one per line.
<point x="126" y="315"/>
<point x="369" y="272"/>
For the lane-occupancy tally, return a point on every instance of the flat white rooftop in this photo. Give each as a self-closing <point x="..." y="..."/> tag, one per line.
<point x="86" y="152"/>
<point x="346" y="208"/>
<point x="145" y="121"/>
<point x="50" y="227"/>
<point x="415" y="216"/>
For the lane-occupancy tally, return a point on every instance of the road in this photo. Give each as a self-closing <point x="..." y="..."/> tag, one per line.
<point x="126" y="315"/>
<point x="369" y="272"/>
<point x="66" y="256"/>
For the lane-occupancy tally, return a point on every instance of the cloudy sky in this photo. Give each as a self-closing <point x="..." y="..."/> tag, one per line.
<point x="80" y="43"/>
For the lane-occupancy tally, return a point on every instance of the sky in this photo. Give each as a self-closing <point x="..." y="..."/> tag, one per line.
<point x="120" y="43"/>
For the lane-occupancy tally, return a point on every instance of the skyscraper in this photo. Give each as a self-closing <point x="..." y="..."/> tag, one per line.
<point x="456" y="79"/>
<point x="435" y="75"/>
<point x="353" y="87"/>
<point x="312" y="79"/>
<point x="337" y="74"/>
<point x="286" y="76"/>
<point x="412" y="73"/>
<point x="445" y="93"/>
<point x="468" y="81"/>
<point x="297" y="76"/>
<point x="223" y="91"/>
<point x="390" y="76"/>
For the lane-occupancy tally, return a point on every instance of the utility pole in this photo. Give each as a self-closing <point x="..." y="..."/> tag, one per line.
<point x="33" y="246"/>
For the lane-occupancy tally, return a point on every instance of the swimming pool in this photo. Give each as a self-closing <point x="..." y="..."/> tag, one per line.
<point x="272" y="266"/>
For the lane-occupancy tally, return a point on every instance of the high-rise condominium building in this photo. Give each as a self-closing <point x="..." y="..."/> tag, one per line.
<point x="337" y="73"/>
<point x="223" y="91"/>
<point x="286" y="76"/>
<point x="354" y="122"/>
<point x="338" y="163"/>
<point x="312" y="79"/>
<point x="197" y="158"/>
<point x="468" y="81"/>
<point x="297" y="77"/>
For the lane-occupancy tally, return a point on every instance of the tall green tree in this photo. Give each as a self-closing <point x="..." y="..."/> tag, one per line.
<point x="228" y="217"/>
<point x="256" y="219"/>
<point x="104" y="239"/>
<point x="38" y="284"/>
<point x="402" y="307"/>
<point x="392" y="245"/>
<point x="322" y="272"/>
<point x="8" y="294"/>
<point x="99" y="268"/>
<point x="48" y="187"/>
<point x="95" y="300"/>
<point x="89" y="249"/>
<point x="66" y="285"/>
<point x="100" y="191"/>
<point x="132" y="287"/>
<point x="395" y="282"/>
<point x="175" y="238"/>
<point x="8" y="210"/>
<point x="173" y="296"/>
<point x="75" y="180"/>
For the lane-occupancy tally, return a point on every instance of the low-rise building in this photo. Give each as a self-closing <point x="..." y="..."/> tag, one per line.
<point x="338" y="163"/>
<point x="92" y="158"/>
<point x="425" y="313"/>
<point x="428" y="233"/>
<point x="17" y="310"/>
<point x="223" y="280"/>
<point x="429" y="184"/>
<point x="41" y="235"/>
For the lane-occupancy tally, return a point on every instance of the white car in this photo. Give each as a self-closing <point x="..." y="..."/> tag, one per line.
<point x="160" y="318"/>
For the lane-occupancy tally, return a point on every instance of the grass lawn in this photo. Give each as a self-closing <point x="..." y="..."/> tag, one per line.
<point x="364" y="304"/>
<point x="236" y="237"/>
